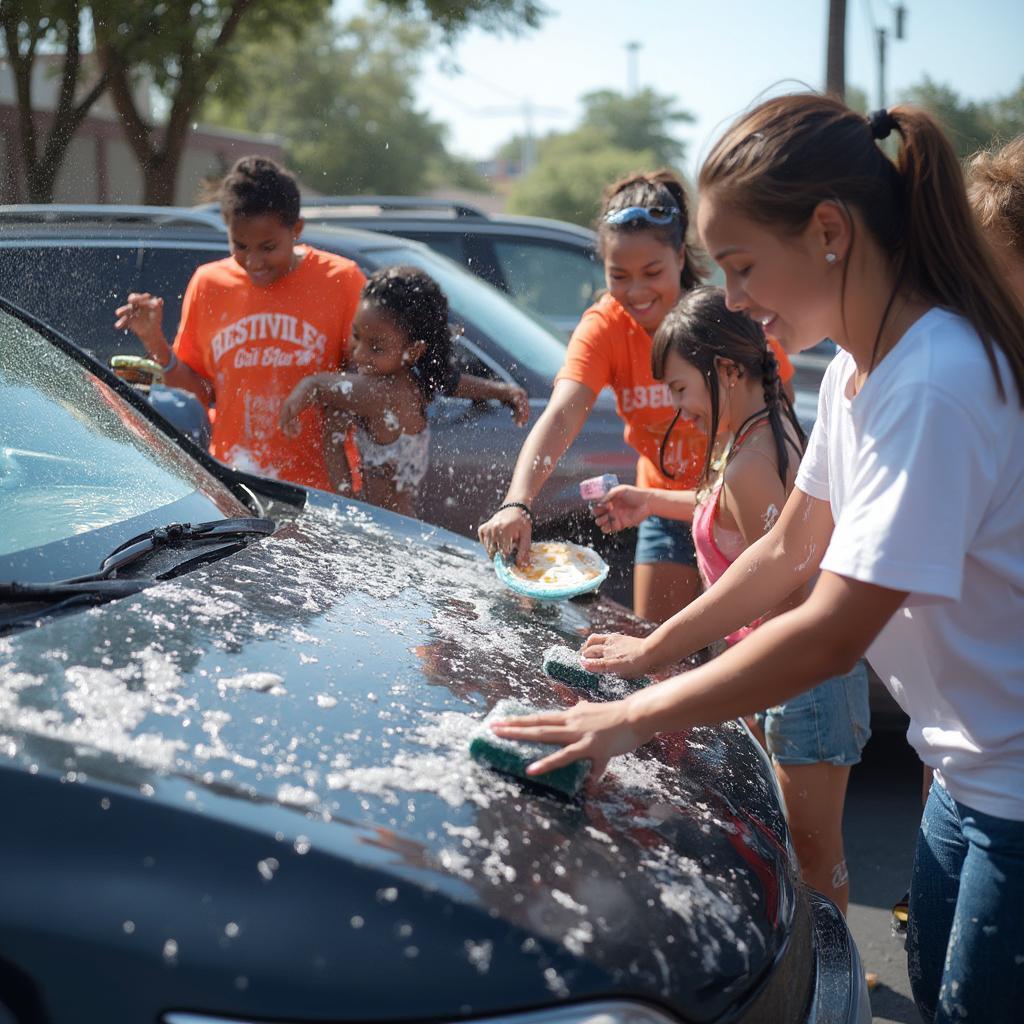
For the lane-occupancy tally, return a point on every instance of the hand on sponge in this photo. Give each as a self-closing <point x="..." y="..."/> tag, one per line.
<point x="513" y="757"/>
<point x="563" y="663"/>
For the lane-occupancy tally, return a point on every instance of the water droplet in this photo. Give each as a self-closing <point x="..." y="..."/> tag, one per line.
<point x="231" y="930"/>
<point x="105" y="804"/>
<point x="267" y="868"/>
<point x="146" y="789"/>
<point x="129" y="927"/>
<point x="302" y="845"/>
<point x="388" y="895"/>
<point x="411" y="951"/>
<point x="241" y="983"/>
<point x="171" y="951"/>
<point x="357" y="921"/>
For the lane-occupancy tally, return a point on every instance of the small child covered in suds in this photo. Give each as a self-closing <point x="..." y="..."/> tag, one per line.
<point x="400" y="358"/>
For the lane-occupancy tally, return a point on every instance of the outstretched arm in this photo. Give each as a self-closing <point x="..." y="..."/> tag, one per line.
<point x="566" y="412"/>
<point x="760" y="579"/>
<point x="483" y="389"/>
<point x="822" y="638"/>
<point x="341" y="393"/>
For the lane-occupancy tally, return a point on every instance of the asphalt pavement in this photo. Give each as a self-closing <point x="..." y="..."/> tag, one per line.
<point x="883" y="810"/>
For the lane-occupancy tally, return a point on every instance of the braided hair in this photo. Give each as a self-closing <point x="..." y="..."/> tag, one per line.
<point x="702" y="330"/>
<point x="414" y="301"/>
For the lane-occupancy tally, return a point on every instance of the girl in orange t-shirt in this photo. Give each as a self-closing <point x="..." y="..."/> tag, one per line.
<point x="642" y="239"/>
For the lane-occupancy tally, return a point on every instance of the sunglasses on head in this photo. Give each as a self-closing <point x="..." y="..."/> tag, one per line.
<point x="657" y="215"/>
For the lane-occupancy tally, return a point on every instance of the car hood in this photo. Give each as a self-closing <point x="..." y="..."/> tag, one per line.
<point x="253" y="781"/>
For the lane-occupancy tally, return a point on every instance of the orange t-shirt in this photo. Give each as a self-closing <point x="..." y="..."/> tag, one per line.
<point x="610" y="349"/>
<point x="255" y="344"/>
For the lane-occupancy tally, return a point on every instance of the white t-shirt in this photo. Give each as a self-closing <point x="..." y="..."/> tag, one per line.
<point x="924" y="470"/>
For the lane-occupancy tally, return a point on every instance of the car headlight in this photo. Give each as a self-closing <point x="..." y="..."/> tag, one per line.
<point x="576" y="1013"/>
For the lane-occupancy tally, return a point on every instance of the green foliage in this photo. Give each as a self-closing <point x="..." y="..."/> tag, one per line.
<point x="971" y="126"/>
<point x="638" y="122"/>
<point x="570" y="187"/>
<point x="341" y="97"/>
<point x="617" y="135"/>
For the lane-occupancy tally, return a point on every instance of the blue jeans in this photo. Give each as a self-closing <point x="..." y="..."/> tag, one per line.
<point x="665" y="540"/>
<point x="965" y="935"/>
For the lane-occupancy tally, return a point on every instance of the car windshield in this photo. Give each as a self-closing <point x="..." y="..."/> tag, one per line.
<point x="477" y="303"/>
<point x="75" y="457"/>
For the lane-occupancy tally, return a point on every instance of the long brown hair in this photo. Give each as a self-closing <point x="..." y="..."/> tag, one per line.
<point x="778" y="162"/>
<point x="701" y="329"/>
<point x="664" y="189"/>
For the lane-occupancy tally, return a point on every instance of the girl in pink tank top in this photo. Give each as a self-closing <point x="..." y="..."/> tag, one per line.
<point x="722" y="376"/>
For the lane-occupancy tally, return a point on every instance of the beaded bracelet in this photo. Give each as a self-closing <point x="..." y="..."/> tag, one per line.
<point x="518" y="504"/>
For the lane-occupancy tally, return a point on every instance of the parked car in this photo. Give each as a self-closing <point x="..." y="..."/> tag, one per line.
<point x="72" y="266"/>
<point x="235" y="777"/>
<point x="549" y="267"/>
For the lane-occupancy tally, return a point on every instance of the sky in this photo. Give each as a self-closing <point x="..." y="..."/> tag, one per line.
<point x="716" y="56"/>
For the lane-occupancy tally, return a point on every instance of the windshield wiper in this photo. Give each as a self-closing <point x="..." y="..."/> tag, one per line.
<point x="220" y="538"/>
<point x="174" y="535"/>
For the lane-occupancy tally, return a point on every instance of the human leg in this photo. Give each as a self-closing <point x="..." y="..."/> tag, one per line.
<point x="814" y="739"/>
<point x="665" y="576"/>
<point x="814" y="796"/>
<point x="965" y="945"/>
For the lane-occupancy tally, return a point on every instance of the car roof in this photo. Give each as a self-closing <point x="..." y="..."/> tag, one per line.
<point x="116" y="222"/>
<point x="415" y="209"/>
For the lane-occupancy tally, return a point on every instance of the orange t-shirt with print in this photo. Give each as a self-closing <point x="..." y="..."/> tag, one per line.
<point x="610" y="349"/>
<point x="255" y="344"/>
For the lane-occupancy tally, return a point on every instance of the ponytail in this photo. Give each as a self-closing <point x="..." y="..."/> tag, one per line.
<point x="777" y="163"/>
<point x="945" y="258"/>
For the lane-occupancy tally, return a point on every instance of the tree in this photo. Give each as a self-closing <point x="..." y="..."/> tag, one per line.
<point x="183" y="55"/>
<point x="347" y="114"/>
<point x="637" y="122"/>
<point x="971" y="126"/>
<point x="617" y="135"/>
<point x="32" y="28"/>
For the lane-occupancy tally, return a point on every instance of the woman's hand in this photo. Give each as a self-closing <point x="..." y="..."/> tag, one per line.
<point x="595" y="731"/>
<point x="301" y="397"/>
<point x="518" y="401"/>
<point x="622" y="507"/>
<point x="625" y="656"/>
<point x="142" y="314"/>
<point x="508" y="531"/>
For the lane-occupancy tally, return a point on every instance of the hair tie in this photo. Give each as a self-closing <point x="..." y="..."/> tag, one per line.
<point x="882" y="124"/>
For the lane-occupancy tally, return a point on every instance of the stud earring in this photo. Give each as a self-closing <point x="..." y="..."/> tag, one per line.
<point x="830" y="257"/>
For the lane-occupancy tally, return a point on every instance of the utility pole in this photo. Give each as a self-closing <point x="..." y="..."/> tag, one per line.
<point x="835" y="59"/>
<point x="881" y="36"/>
<point x="899" y="13"/>
<point x="631" y="61"/>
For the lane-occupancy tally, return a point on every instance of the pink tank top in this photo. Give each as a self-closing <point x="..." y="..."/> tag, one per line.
<point x="712" y="561"/>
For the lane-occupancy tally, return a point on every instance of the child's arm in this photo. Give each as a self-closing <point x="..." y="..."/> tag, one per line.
<point x="761" y="578"/>
<point x="339" y="473"/>
<point x="482" y="389"/>
<point x="625" y="506"/>
<point x="142" y="314"/>
<point x="341" y="393"/>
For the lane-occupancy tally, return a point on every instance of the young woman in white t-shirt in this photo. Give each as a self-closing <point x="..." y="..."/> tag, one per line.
<point x="909" y="505"/>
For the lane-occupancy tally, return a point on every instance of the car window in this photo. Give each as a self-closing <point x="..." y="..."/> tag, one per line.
<point x="446" y="243"/>
<point x="167" y="270"/>
<point x="74" y="290"/>
<point x="475" y="303"/>
<point x="550" y="279"/>
<point x="74" y="456"/>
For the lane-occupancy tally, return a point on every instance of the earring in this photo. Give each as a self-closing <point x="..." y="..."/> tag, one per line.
<point x="830" y="257"/>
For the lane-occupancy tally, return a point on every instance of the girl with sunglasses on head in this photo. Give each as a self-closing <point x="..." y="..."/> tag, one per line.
<point x="642" y="238"/>
<point x="908" y="505"/>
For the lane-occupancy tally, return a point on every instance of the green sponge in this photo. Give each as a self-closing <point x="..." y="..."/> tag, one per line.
<point x="563" y="664"/>
<point x="513" y="756"/>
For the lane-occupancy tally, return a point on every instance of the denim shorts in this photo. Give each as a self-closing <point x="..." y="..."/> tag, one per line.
<point x="665" y="540"/>
<point x="830" y="722"/>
